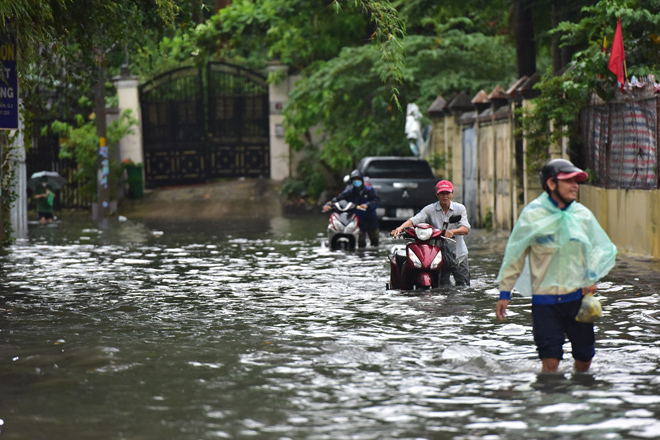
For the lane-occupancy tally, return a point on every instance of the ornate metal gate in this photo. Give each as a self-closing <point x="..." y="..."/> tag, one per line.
<point x="200" y="124"/>
<point x="238" y="122"/>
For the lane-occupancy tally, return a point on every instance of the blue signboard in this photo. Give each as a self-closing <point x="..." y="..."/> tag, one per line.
<point x="8" y="83"/>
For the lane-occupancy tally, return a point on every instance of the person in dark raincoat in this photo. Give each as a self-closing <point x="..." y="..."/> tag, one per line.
<point x="365" y="196"/>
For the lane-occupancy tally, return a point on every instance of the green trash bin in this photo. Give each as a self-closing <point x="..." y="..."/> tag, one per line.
<point x="134" y="179"/>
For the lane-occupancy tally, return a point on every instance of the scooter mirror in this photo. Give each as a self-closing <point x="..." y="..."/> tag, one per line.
<point x="454" y="219"/>
<point x="347" y="179"/>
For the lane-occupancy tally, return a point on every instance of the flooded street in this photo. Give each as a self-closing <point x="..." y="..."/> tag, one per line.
<point x="255" y="330"/>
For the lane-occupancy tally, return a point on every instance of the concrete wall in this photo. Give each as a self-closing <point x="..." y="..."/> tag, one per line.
<point x="445" y="142"/>
<point x="454" y="157"/>
<point x="486" y="165"/>
<point x="500" y="192"/>
<point x="503" y="211"/>
<point x="531" y="183"/>
<point x="438" y="144"/>
<point x="630" y="217"/>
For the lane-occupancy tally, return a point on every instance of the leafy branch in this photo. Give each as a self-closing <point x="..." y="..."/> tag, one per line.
<point x="80" y="142"/>
<point x="555" y="113"/>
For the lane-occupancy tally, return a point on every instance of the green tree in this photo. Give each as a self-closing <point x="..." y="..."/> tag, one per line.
<point x="79" y="141"/>
<point x="61" y="43"/>
<point x="562" y="97"/>
<point x="341" y="110"/>
<point x="302" y="35"/>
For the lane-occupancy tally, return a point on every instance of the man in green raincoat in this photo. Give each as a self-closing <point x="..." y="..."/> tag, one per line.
<point x="556" y="253"/>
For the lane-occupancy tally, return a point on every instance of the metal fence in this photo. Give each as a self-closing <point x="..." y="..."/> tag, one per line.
<point x="621" y="142"/>
<point x="44" y="156"/>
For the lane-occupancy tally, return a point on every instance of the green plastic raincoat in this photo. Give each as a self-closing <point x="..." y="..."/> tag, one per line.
<point x="575" y="250"/>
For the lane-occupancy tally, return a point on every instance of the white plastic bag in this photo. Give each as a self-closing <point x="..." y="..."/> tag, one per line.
<point x="590" y="309"/>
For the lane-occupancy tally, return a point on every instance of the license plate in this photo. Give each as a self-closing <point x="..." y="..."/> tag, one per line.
<point x="404" y="212"/>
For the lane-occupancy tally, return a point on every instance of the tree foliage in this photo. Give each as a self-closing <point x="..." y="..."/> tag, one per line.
<point x="80" y="142"/>
<point x="360" y="61"/>
<point x="341" y="110"/>
<point x="60" y="44"/>
<point x="562" y="97"/>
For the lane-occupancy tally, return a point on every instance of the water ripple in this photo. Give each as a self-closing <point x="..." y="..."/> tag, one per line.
<point x="182" y="331"/>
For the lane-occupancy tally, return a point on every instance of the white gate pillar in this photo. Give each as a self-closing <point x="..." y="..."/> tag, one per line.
<point x="130" y="146"/>
<point x="278" y="95"/>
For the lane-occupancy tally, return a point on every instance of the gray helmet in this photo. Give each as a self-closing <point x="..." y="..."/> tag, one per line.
<point x="556" y="166"/>
<point x="356" y="175"/>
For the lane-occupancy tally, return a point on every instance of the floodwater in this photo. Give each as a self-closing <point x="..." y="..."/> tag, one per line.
<point x="255" y="330"/>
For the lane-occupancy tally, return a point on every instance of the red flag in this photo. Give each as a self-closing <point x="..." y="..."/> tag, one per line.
<point x="618" y="55"/>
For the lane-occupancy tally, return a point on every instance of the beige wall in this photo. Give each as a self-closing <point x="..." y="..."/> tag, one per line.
<point x="496" y="158"/>
<point x="503" y="198"/>
<point x="446" y="142"/>
<point x="486" y="161"/>
<point x="455" y="156"/>
<point x="532" y="185"/>
<point x="630" y="217"/>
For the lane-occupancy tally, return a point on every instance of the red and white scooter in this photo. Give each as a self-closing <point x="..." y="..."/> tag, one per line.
<point x="343" y="226"/>
<point x="418" y="264"/>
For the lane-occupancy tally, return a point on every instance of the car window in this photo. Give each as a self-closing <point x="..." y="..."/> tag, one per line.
<point x="398" y="169"/>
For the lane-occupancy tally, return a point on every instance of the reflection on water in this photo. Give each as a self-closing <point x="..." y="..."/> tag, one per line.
<point x="128" y="330"/>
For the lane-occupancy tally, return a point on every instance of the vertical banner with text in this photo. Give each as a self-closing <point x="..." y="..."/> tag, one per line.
<point x="8" y="83"/>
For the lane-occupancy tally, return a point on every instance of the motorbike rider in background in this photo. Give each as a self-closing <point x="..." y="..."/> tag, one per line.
<point x="364" y="195"/>
<point x="436" y="214"/>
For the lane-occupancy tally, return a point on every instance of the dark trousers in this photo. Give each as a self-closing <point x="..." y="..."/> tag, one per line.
<point x="461" y="275"/>
<point x="373" y="237"/>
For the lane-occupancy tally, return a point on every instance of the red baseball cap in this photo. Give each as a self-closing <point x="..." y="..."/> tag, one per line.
<point x="580" y="176"/>
<point x="444" y="185"/>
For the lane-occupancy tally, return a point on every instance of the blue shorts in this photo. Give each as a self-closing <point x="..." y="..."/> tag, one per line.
<point x="552" y="322"/>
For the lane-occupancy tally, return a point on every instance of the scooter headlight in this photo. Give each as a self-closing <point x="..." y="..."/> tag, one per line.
<point x="415" y="259"/>
<point x="423" y="234"/>
<point x="350" y="227"/>
<point x="436" y="261"/>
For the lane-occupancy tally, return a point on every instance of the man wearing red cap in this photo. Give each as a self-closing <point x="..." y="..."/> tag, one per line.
<point x="556" y="252"/>
<point x="436" y="214"/>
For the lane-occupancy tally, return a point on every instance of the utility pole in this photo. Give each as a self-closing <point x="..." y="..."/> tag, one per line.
<point x="3" y="141"/>
<point x="9" y="117"/>
<point x="103" y="156"/>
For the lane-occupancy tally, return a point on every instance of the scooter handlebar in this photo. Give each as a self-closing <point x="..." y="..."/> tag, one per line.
<point x="401" y="233"/>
